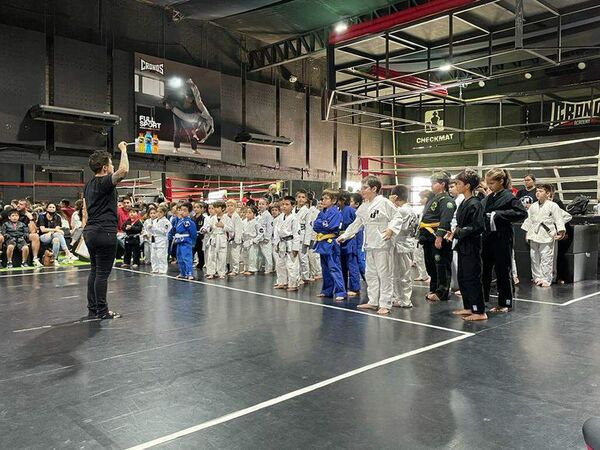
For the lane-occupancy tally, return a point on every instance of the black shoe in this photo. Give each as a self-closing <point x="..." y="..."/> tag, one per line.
<point x="109" y="315"/>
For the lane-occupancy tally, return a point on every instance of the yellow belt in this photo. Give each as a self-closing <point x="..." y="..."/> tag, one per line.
<point x="429" y="226"/>
<point x="323" y="237"/>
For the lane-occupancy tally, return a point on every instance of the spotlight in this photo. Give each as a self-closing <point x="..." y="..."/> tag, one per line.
<point x="445" y="68"/>
<point x="175" y="82"/>
<point x="581" y="65"/>
<point x="287" y="75"/>
<point x="528" y="76"/>
<point x="340" y="27"/>
<point x="481" y="83"/>
<point x="293" y="78"/>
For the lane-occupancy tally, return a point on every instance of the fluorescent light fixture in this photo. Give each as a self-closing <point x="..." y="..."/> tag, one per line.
<point x="386" y="123"/>
<point x="340" y="27"/>
<point x="445" y="67"/>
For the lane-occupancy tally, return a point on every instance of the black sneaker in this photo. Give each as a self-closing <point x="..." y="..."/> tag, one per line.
<point x="24" y="265"/>
<point x="109" y="315"/>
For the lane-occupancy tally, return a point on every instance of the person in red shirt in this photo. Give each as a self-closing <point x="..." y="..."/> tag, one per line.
<point x="67" y="209"/>
<point x="122" y="217"/>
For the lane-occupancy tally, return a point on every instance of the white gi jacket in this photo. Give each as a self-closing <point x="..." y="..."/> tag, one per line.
<point x="375" y="216"/>
<point x="406" y="223"/>
<point x="266" y="220"/>
<point x="304" y="219"/>
<point x="287" y="233"/>
<point x="253" y="233"/>
<point x="217" y="236"/>
<point x="159" y="230"/>
<point x="544" y="222"/>
<point x="238" y="228"/>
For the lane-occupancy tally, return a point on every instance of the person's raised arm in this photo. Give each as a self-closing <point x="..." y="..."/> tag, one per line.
<point x="120" y="174"/>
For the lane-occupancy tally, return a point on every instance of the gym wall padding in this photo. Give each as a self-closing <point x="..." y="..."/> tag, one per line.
<point x="123" y="96"/>
<point x="260" y="118"/>
<point x="79" y="82"/>
<point x="231" y="117"/>
<point x="321" y="138"/>
<point x="22" y="60"/>
<point x="347" y="139"/>
<point x="293" y="126"/>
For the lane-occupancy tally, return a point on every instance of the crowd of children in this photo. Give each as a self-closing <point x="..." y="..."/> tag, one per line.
<point x="462" y="240"/>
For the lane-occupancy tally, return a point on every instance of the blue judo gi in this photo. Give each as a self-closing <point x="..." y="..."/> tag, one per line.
<point x="349" y="253"/>
<point x="184" y="238"/>
<point x="362" y="258"/>
<point x="327" y="226"/>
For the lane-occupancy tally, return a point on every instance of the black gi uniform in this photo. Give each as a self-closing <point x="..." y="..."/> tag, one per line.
<point x="199" y="241"/>
<point x="498" y="245"/>
<point x="132" y="242"/>
<point x="469" y="219"/>
<point x="437" y="216"/>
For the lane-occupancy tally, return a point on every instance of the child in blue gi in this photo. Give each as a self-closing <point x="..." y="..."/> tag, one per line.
<point x="355" y="201"/>
<point x="327" y="226"/>
<point x="184" y="237"/>
<point x="349" y="252"/>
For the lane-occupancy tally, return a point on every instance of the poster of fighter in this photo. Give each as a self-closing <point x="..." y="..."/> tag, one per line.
<point x="177" y="108"/>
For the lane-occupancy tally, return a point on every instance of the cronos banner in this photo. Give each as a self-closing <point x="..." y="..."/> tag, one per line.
<point x="177" y="108"/>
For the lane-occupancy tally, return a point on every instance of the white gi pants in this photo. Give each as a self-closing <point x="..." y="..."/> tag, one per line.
<point x="266" y="250"/>
<point x="314" y="261"/>
<point x="250" y="258"/>
<point x="304" y="264"/>
<point x="402" y="278"/>
<point x="542" y="261"/>
<point x="216" y="262"/>
<point x="275" y="257"/>
<point x="379" y="275"/>
<point x="159" y="256"/>
<point x="234" y="252"/>
<point x="147" y="252"/>
<point x="420" y="263"/>
<point x="288" y="269"/>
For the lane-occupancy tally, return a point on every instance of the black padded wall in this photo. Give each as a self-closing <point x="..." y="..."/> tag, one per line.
<point x="260" y="118"/>
<point x="231" y="116"/>
<point x="293" y="126"/>
<point x="321" y="138"/>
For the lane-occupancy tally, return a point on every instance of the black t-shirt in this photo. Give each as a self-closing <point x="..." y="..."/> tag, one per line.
<point x="526" y="197"/>
<point x="54" y="222"/>
<point x="101" y="197"/>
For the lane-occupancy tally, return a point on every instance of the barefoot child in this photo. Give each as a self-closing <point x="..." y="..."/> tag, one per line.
<point x="288" y="236"/>
<point x="252" y="236"/>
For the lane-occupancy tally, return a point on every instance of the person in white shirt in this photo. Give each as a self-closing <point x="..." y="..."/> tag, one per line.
<point x="275" y="211"/>
<point x="404" y="244"/>
<point x="252" y="236"/>
<point x="375" y="215"/>
<point x="216" y="227"/>
<point x="287" y="234"/>
<point x="159" y="236"/>
<point x="234" y="238"/>
<point x="266" y="245"/>
<point x="314" y="259"/>
<point x="303" y="215"/>
<point x="545" y="224"/>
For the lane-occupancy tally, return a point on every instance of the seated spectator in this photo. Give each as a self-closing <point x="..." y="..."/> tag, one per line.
<point x="26" y="216"/>
<point x="67" y="209"/>
<point x="76" y="224"/>
<point x="15" y="235"/>
<point x="51" y="231"/>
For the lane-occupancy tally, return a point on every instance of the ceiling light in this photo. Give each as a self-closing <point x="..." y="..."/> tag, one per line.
<point x="293" y="78"/>
<point x="175" y="82"/>
<point x="386" y="123"/>
<point x="445" y="68"/>
<point x="340" y="27"/>
<point x="528" y="76"/>
<point x="481" y="83"/>
<point x="581" y="65"/>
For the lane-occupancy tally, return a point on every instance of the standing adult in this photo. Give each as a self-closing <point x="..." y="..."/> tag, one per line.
<point x="100" y="226"/>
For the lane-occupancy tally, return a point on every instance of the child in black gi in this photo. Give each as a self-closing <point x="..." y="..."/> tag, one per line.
<point x="133" y="228"/>
<point x="467" y="234"/>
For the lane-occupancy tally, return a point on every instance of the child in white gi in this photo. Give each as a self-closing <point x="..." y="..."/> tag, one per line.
<point x="275" y="212"/>
<point x="303" y="215"/>
<point x="544" y="225"/>
<point x="404" y="244"/>
<point x="252" y="236"/>
<point x="287" y="234"/>
<point x="216" y="227"/>
<point x="161" y="226"/>
<point x="314" y="259"/>
<point x="147" y="236"/>
<point x="234" y="238"/>
<point x="375" y="215"/>
<point x="266" y="246"/>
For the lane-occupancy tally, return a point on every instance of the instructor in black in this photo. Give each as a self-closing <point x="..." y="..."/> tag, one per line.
<point x="100" y="226"/>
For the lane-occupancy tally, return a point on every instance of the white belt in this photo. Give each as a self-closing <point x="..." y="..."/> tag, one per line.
<point x="179" y="236"/>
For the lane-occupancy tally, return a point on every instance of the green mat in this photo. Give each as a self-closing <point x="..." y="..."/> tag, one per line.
<point x="21" y="269"/>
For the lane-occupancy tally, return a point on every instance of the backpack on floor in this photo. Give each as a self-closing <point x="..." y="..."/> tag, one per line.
<point x="578" y="206"/>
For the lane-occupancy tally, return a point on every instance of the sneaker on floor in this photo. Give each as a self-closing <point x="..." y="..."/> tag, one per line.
<point x="9" y="265"/>
<point x="37" y="263"/>
<point x="24" y="265"/>
<point x="72" y="258"/>
<point x="56" y="263"/>
<point x="134" y="266"/>
<point x="109" y="315"/>
<point x="124" y="266"/>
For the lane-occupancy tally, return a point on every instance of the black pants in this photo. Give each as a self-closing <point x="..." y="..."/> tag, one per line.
<point x="198" y="249"/>
<point x="497" y="255"/>
<point x="132" y="250"/>
<point x="102" y="247"/>
<point x="439" y="267"/>
<point x="469" y="280"/>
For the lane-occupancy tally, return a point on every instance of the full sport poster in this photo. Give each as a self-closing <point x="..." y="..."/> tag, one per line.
<point x="177" y="108"/>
